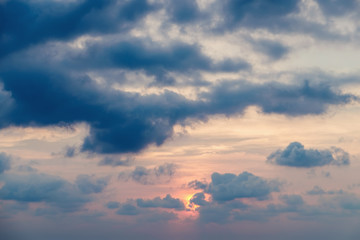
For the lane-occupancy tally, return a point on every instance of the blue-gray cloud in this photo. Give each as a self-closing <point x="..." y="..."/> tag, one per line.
<point x="158" y="216"/>
<point x="115" y="162"/>
<point x="228" y="186"/>
<point x="196" y="184"/>
<point x="148" y="176"/>
<point x="49" y="189"/>
<point x="149" y="211"/>
<point x="89" y="184"/>
<point x="167" y="202"/>
<point x="293" y="100"/>
<point x="181" y="12"/>
<point x="155" y="59"/>
<point x="27" y="23"/>
<point x="338" y="7"/>
<point x="122" y="122"/>
<point x="26" y="168"/>
<point x="259" y="14"/>
<point x="274" y="50"/>
<point x="70" y="151"/>
<point x="295" y="155"/>
<point x="292" y="200"/>
<point x="198" y="199"/>
<point x="4" y="162"/>
<point x="112" y="205"/>
<point x="119" y="121"/>
<point x="319" y="191"/>
<point x="128" y="209"/>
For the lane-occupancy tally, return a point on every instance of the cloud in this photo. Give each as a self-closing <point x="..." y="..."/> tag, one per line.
<point x="257" y="14"/>
<point x="49" y="189"/>
<point x="338" y="7"/>
<point x="319" y="191"/>
<point x="70" y="151"/>
<point x="67" y="95"/>
<point x="26" y="168"/>
<point x="4" y="162"/>
<point x="198" y="199"/>
<point x="145" y="176"/>
<point x="157" y="216"/>
<point x="185" y="11"/>
<point x="156" y="60"/>
<point x="133" y="10"/>
<point x="114" y="162"/>
<point x="295" y="155"/>
<point x="228" y="186"/>
<point x="274" y="50"/>
<point x="167" y="202"/>
<point x="220" y="212"/>
<point x="34" y="22"/>
<point x="112" y="205"/>
<point x="89" y="184"/>
<point x="136" y="121"/>
<point x="292" y="200"/>
<point x="196" y="184"/>
<point x="349" y="202"/>
<point x="229" y="97"/>
<point x="228" y="192"/>
<point x="147" y="210"/>
<point x="214" y="213"/>
<point x="128" y="209"/>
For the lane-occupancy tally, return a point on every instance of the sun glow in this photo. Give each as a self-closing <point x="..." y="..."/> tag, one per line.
<point x="190" y="206"/>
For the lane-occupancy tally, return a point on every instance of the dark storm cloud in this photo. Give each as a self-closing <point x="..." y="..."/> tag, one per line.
<point x="167" y="202"/>
<point x="123" y="122"/>
<point x="49" y="189"/>
<point x="228" y="186"/>
<point x="295" y="155"/>
<point x="4" y="162"/>
<point x="89" y="184"/>
<point x="27" y="23"/>
<point x="115" y="162"/>
<point x="148" y="176"/>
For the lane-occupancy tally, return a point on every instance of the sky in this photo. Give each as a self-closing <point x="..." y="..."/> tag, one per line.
<point x="192" y="119"/>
